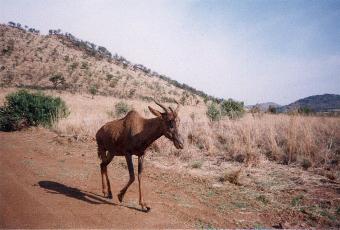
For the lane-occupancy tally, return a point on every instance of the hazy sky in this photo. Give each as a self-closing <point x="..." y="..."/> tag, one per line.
<point x="254" y="51"/>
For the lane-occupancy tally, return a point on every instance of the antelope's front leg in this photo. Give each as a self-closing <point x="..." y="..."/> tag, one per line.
<point x="140" y="170"/>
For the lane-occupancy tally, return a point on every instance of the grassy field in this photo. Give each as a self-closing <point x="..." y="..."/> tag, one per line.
<point x="307" y="141"/>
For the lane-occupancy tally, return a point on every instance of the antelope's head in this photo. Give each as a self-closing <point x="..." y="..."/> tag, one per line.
<point x="170" y="123"/>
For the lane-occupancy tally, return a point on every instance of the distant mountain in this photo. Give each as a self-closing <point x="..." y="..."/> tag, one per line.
<point x="264" y="106"/>
<point x="317" y="103"/>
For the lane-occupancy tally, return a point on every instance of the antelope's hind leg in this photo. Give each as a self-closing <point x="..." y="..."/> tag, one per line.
<point x="131" y="179"/>
<point x="106" y="159"/>
<point x="141" y="199"/>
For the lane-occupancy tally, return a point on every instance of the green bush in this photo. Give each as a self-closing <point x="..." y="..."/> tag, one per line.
<point x="213" y="112"/>
<point x="121" y="108"/>
<point x="305" y="110"/>
<point x="230" y="108"/>
<point x="23" y="109"/>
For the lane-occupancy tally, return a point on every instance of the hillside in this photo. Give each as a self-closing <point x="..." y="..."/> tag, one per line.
<point x="317" y="103"/>
<point x="29" y="59"/>
<point x="264" y="106"/>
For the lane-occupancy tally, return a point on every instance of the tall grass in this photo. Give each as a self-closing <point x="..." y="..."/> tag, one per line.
<point x="286" y="139"/>
<point x="283" y="138"/>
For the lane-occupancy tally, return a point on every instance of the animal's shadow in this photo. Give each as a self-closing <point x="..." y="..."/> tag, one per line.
<point x="89" y="197"/>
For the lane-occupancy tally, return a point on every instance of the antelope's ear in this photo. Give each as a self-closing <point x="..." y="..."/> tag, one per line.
<point x="155" y="112"/>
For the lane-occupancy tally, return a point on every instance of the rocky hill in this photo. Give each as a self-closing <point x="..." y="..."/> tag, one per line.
<point x="62" y="61"/>
<point x="316" y="103"/>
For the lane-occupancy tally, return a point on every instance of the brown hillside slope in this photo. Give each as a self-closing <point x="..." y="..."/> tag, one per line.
<point x="29" y="59"/>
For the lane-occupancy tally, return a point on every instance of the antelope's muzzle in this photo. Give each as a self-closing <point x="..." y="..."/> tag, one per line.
<point x="178" y="142"/>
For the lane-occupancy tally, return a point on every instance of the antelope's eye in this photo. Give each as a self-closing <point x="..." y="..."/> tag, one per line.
<point x="171" y="124"/>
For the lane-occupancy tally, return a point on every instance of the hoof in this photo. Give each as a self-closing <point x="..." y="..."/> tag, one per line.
<point x="120" y="197"/>
<point x="146" y="209"/>
<point x="109" y="196"/>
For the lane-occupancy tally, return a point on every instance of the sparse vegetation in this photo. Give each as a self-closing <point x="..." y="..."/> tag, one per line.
<point x="93" y="90"/>
<point x="213" y="112"/>
<point x="84" y="65"/>
<point x="121" y="109"/>
<point x="231" y="177"/>
<point x="196" y="165"/>
<point x="109" y="77"/>
<point x="262" y="199"/>
<point x="131" y="93"/>
<point x="57" y="80"/>
<point x="296" y="201"/>
<point x="74" y="65"/>
<point x="306" y="164"/>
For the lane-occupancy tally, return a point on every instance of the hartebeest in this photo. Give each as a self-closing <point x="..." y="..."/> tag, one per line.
<point x="132" y="135"/>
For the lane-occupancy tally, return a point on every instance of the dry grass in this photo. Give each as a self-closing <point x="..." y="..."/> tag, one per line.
<point x="287" y="139"/>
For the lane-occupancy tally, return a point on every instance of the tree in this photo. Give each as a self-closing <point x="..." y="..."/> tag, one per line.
<point x="272" y="109"/>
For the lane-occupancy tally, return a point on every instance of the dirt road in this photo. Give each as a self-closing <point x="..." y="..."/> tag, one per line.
<point x="51" y="182"/>
<point x="44" y="186"/>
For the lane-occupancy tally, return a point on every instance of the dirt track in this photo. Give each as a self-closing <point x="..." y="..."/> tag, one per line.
<point x="52" y="182"/>
<point x="43" y="186"/>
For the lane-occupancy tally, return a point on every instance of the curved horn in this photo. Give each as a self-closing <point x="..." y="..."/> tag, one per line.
<point x="162" y="106"/>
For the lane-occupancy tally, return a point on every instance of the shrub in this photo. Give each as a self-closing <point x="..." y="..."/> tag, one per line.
<point x="131" y="93"/>
<point x="93" y="90"/>
<point x="73" y="66"/>
<point x="231" y="177"/>
<point x="196" y="165"/>
<point x="272" y="109"/>
<point x="213" y="112"/>
<point x="296" y="201"/>
<point x="305" y="110"/>
<point x="167" y="99"/>
<point x="23" y="108"/>
<point x="231" y="108"/>
<point x="57" y="80"/>
<point x="146" y="98"/>
<point x="306" y="164"/>
<point x="262" y="199"/>
<point x="121" y="108"/>
<point x="84" y="65"/>
<point x="113" y="83"/>
<point x="109" y="77"/>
